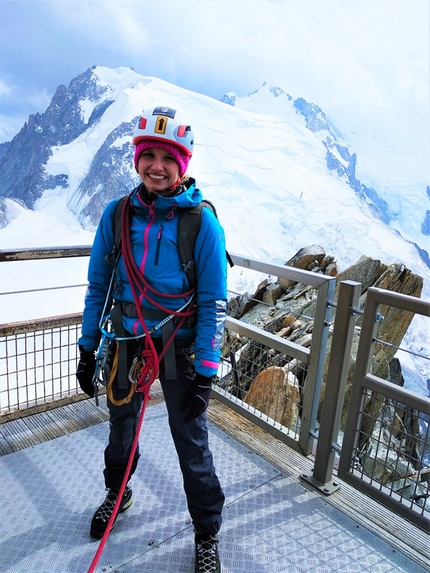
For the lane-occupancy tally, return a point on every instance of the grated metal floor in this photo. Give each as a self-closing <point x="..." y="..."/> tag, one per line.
<point x="272" y="522"/>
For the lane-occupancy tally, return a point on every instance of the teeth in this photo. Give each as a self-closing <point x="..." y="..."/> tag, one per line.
<point x="155" y="176"/>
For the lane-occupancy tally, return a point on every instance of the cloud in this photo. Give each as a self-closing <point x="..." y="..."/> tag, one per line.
<point x="410" y="78"/>
<point x="10" y="126"/>
<point x="365" y="63"/>
<point x="5" y="88"/>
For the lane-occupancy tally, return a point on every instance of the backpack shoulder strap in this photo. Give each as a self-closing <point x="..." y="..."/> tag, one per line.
<point x="188" y="228"/>
<point x="117" y="222"/>
<point x="211" y="206"/>
<point x="117" y="217"/>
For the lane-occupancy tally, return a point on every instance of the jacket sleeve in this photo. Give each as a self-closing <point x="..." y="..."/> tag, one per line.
<point x="211" y="268"/>
<point x="99" y="276"/>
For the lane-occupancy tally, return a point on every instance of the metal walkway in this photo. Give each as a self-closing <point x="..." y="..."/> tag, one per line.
<point x="272" y="521"/>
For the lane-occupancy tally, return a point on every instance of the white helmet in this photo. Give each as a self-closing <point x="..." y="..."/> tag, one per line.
<point x="159" y="124"/>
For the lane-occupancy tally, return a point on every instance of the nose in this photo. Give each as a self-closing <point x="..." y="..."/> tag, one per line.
<point x="157" y="164"/>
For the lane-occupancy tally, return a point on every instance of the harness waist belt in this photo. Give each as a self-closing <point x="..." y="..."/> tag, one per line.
<point x="130" y="310"/>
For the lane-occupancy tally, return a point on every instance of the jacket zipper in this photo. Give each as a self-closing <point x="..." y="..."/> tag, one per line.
<point x="145" y="247"/>
<point x="157" y="250"/>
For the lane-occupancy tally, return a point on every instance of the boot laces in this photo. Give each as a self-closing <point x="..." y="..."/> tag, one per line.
<point x="105" y="510"/>
<point x="207" y="556"/>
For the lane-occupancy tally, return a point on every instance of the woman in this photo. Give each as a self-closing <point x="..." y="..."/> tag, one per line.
<point x="152" y="287"/>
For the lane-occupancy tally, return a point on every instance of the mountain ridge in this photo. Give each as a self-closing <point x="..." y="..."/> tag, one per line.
<point x="89" y="124"/>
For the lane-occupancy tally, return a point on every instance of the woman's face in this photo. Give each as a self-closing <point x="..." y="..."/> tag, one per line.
<point x="158" y="170"/>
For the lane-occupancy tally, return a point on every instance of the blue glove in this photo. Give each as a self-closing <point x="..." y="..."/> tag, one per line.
<point x="85" y="371"/>
<point x="196" y="398"/>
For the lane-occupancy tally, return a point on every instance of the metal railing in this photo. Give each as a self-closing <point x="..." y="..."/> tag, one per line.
<point x="38" y="361"/>
<point x="401" y="481"/>
<point x="38" y="364"/>
<point x="38" y="358"/>
<point x="259" y="350"/>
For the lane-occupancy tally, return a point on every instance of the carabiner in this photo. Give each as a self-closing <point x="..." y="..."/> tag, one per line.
<point x="136" y="369"/>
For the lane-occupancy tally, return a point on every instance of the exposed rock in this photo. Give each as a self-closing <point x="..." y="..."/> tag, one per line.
<point x="259" y="292"/>
<point x="272" y="293"/>
<point x="306" y="259"/>
<point x="365" y="271"/>
<point x="396" y="376"/>
<point x="304" y="340"/>
<point x="275" y="392"/>
<point x="384" y="464"/>
<point x="241" y="304"/>
<point x="393" y="327"/>
<point x="331" y="270"/>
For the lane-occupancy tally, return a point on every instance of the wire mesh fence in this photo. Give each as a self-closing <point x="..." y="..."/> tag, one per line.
<point x="393" y="449"/>
<point x="38" y="362"/>
<point x="386" y="445"/>
<point x="263" y="379"/>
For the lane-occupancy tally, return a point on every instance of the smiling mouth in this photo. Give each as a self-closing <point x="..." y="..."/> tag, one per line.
<point x="156" y="177"/>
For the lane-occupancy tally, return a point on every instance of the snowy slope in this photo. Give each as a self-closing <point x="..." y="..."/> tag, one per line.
<point x="257" y="161"/>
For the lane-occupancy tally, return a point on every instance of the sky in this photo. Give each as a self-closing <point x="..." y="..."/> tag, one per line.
<point x="364" y="62"/>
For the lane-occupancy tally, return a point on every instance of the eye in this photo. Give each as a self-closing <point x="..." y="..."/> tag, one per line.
<point x="148" y="153"/>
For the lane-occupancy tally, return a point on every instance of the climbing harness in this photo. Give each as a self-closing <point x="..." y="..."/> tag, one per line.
<point x="107" y="359"/>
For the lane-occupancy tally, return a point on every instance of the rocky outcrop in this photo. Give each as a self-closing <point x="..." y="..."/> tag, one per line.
<point x="275" y="391"/>
<point x="284" y="308"/>
<point x="23" y="160"/>
<point x="396" y="278"/>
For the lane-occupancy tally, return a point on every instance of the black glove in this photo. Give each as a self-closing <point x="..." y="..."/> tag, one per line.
<point x="85" y="371"/>
<point x="196" y="397"/>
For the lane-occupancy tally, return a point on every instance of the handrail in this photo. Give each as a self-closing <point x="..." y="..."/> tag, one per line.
<point x="43" y="253"/>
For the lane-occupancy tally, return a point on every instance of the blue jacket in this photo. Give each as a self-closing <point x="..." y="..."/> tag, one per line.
<point x="154" y="231"/>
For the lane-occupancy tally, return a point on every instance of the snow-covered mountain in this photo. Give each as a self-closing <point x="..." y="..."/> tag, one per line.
<point x="280" y="174"/>
<point x="80" y="148"/>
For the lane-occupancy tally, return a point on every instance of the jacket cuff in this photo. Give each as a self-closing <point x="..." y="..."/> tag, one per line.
<point x="207" y="368"/>
<point x="88" y="344"/>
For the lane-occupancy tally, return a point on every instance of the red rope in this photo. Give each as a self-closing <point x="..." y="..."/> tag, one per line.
<point x="134" y="275"/>
<point x="123" y="485"/>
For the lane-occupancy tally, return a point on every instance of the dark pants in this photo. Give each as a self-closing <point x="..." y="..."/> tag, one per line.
<point x="205" y="497"/>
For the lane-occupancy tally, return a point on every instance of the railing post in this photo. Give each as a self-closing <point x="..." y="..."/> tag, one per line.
<point x="343" y="331"/>
<point x="369" y="329"/>
<point x="315" y="372"/>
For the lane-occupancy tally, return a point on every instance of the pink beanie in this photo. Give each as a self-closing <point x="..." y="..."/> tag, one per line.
<point x="181" y="159"/>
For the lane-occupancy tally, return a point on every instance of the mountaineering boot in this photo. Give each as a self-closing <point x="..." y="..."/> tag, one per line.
<point x="102" y="515"/>
<point x="207" y="558"/>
